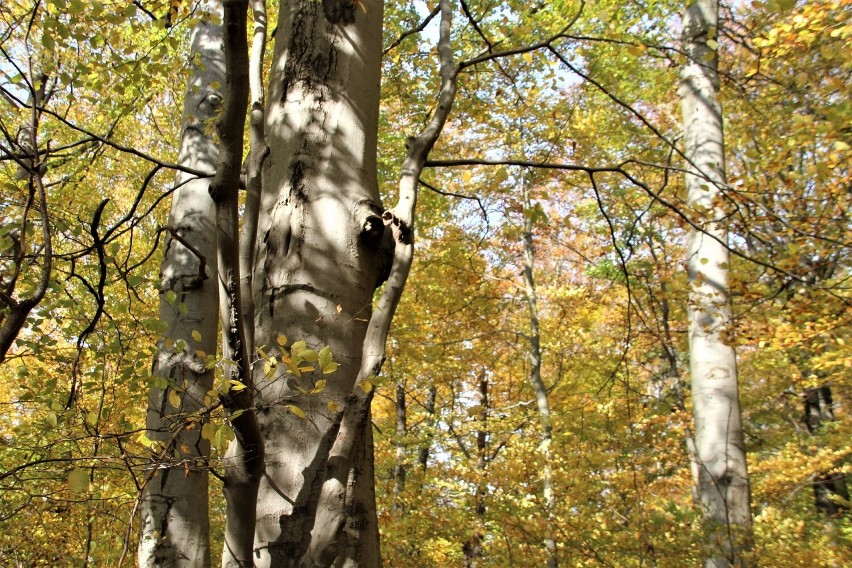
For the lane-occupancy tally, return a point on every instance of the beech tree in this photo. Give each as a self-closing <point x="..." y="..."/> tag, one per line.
<point x="321" y="245"/>
<point x="722" y="480"/>
<point x="174" y="510"/>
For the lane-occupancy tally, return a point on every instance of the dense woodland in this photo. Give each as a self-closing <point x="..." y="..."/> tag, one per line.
<point x="533" y="395"/>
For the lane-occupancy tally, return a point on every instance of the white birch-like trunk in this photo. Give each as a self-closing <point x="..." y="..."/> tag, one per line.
<point x="321" y="250"/>
<point x="723" y="485"/>
<point x="174" y="507"/>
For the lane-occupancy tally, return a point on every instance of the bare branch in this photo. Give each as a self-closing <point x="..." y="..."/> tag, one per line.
<point x="413" y="31"/>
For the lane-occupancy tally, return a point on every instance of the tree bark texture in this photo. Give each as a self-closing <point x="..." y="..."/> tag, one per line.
<point x="321" y="253"/>
<point x="174" y="508"/>
<point x="723" y="484"/>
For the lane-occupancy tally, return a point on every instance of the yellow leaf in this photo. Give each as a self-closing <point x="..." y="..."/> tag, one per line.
<point x="296" y="410"/>
<point x="174" y="399"/>
<point x="196" y="335"/>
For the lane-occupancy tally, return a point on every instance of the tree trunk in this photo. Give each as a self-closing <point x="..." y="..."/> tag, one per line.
<point x="321" y="252"/>
<point x="473" y="548"/>
<point x="723" y="484"/>
<point x="426" y="444"/>
<point x="174" y="507"/>
<point x="536" y="380"/>
<point x="831" y="496"/>
<point x="399" y="473"/>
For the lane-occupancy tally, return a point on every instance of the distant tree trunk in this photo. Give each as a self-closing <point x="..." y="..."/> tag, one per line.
<point x="322" y="250"/>
<point x="425" y="446"/>
<point x="535" y="378"/>
<point x="174" y="508"/>
<point x="473" y="547"/>
<point x="831" y="496"/>
<point x="723" y="484"/>
<point x="401" y="431"/>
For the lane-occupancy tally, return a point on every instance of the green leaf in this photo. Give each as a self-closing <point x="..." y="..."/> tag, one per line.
<point x="78" y="480"/>
<point x="208" y="431"/>
<point x="325" y="357"/>
<point x="296" y="351"/>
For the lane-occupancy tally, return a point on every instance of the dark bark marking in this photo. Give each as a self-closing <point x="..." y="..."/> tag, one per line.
<point x="295" y="536"/>
<point x="339" y="11"/>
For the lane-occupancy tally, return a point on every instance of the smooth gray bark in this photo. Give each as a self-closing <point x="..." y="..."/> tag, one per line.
<point x="723" y="484"/>
<point x="319" y="259"/>
<point x="174" y="507"/>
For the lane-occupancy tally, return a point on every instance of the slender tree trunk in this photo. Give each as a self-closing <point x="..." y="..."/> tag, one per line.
<point x="473" y="548"/>
<point x="831" y="496"/>
<point x="425" y="446"/>
<point x="174" y="508"/>
<point x="321" y="252"/>
<point x="536" y="380"/>
<point x="244" y="463"/>
<point x="723" y="484"/>
<point x="401" y="431"/>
